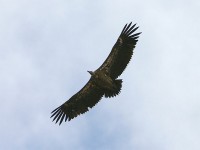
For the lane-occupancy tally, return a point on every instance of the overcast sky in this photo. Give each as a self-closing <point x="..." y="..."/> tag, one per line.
<point x="47" y="46"/>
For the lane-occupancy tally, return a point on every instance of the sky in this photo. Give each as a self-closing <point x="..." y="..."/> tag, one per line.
<point x="46" y="48"/>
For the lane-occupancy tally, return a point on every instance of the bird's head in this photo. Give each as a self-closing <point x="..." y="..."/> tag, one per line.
<point x="90" y="72"/>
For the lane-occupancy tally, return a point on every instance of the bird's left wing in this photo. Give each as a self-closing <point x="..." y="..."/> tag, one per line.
<point x="79" y="103"/>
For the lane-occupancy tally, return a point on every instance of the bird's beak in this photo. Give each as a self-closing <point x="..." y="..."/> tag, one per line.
<point x="90" y="72"/>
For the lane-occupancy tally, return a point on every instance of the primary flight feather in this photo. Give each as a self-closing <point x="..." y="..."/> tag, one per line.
<point x="103" y="81"/>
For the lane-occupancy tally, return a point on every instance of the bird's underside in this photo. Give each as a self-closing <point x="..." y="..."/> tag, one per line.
<point x="103" y="81"/>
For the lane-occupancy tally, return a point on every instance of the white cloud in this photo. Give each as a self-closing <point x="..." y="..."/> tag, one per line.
<point x="46" y="46"/>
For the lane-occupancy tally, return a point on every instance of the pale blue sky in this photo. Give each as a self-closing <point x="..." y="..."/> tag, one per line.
<point x="46" y="47"/>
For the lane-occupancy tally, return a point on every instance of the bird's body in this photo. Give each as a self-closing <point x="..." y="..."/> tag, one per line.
<point x="103" y="81"/>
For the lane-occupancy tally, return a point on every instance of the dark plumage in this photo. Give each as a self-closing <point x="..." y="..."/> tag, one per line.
<point x="103" y="81"/>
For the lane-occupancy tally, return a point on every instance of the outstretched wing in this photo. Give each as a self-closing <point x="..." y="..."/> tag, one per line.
<point x="79" y="103"/>
<point x="121" y="52"/>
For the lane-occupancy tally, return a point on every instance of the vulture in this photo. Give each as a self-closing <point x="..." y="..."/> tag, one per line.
<point x="103" y="81"/>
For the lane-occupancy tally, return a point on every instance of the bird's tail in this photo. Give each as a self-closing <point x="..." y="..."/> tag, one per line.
<point x="116" y="90"/>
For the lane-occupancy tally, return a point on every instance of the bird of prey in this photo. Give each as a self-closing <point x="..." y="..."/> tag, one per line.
<point x="103" y="81"/>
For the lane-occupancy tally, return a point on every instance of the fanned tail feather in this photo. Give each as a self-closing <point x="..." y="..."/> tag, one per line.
<point x="115" y="91"/>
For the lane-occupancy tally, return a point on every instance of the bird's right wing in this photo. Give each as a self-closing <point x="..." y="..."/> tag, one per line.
<point x="79" y="103"/>
<point x="121" y="52"/>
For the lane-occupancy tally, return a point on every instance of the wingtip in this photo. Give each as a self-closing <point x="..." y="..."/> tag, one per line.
<point x="55" y="109"/>
<point x="129" y="28"/>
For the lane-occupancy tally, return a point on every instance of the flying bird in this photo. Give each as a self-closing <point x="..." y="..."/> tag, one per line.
<point x="103" y="81"/>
